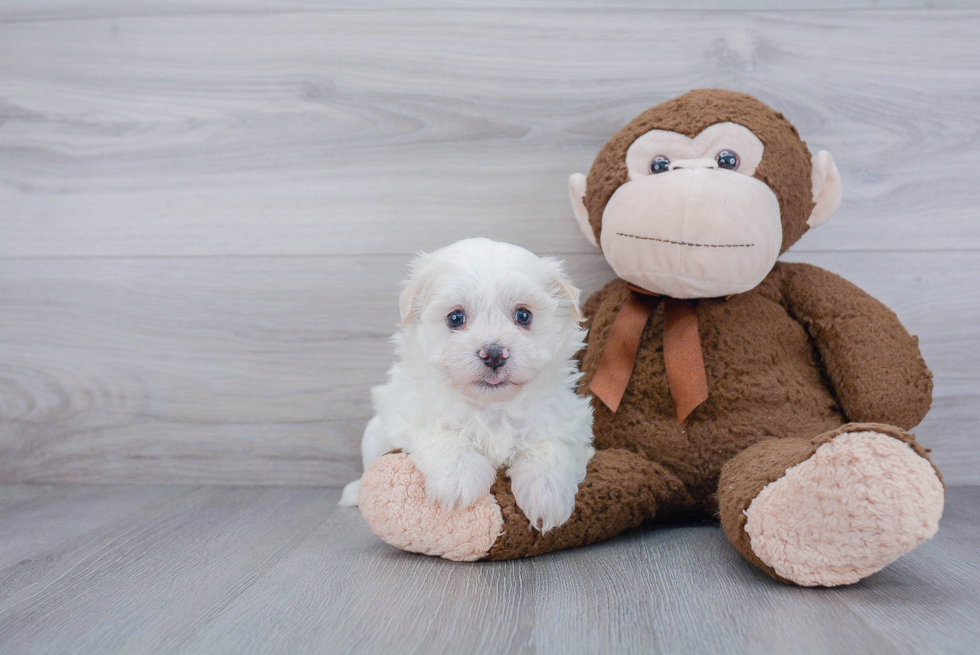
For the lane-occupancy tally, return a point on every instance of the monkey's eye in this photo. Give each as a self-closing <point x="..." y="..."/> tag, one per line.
<point x="456" y="319"/>
<point x="659" y="164"/>
<point x="522" y="317"/>
<point x="727" y="159"/>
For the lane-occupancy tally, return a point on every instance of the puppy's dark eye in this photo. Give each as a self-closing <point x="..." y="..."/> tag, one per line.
<point x="727" y="159"/>
<point x="456" y="319"/>
<point x="659" y="164"/>
<point x="522" y="317"/>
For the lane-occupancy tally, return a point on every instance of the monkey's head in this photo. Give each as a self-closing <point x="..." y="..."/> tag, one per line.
<point x="698" y="196"/>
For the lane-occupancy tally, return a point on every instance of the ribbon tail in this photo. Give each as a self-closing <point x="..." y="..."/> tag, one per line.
<point x="619" y="356"/>
<point x="683" y="358"/>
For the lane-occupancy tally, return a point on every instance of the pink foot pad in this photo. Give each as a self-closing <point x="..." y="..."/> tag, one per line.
<point x="857" y="504"/>
<point x="392" y="501"/>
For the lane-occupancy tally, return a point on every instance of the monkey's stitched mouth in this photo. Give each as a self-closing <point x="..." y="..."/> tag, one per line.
<point x="685" y="243"/>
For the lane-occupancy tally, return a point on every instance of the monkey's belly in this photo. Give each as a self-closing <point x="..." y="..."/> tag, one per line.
<point x="764" y="381"/>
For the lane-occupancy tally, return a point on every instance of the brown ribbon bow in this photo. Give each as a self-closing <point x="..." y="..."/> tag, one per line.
<point x="682" y="351"/>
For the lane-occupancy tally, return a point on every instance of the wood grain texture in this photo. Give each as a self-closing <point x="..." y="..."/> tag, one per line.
<point x="28" y="10"/>
<point x="259" y="570"/>
<point x="205" y="208"/>
<point x="257" y="370"/>
<point x="36" y="518"/>
<point x="355" y="132"/>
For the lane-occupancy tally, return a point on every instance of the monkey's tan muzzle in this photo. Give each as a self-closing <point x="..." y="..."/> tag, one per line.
<point x="693" y="232"/>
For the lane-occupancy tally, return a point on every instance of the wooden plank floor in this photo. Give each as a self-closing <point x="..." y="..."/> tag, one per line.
<point x="137" y="569"/>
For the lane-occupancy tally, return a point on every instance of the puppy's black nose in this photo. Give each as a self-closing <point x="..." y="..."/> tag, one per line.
<point x="494" y="355"/>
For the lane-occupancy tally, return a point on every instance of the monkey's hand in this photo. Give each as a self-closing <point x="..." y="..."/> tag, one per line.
<point x="872" y="361"/>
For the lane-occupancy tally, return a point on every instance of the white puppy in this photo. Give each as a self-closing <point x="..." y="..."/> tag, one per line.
<point x="486" y="379"/>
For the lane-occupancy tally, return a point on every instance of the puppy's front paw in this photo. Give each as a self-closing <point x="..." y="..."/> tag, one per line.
<point x="460" y="482"/>
<point x="546" y="500"/>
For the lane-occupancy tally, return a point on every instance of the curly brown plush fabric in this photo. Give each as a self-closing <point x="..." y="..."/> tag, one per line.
<point x="772" y="373"/>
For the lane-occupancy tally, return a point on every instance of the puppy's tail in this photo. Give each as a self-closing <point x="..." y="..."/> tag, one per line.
<point x="349" y="497"/>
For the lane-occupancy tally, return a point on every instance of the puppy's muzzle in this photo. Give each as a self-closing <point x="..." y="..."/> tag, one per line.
<point x="494" y="355"/>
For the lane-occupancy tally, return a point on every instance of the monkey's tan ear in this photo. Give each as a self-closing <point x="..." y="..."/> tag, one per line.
<point x="411" y="301"/>
<point x="827" y="189"/>
<point x="576" y="193"/>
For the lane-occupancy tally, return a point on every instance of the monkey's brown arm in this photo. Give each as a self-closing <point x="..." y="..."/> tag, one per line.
<point x="872" y="361"/>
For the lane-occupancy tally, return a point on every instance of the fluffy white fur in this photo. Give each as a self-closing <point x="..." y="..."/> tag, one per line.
<point x="458" y="420"/>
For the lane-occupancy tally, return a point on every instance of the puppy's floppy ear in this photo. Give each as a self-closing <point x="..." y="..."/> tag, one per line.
<point x="562" y="288"/>
<point x="411" y="300"/>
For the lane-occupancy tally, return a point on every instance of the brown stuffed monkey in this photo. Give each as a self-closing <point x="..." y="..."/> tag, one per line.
<point x="774" y="396"/>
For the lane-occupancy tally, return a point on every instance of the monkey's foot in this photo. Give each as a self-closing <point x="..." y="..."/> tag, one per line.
<point x="855" y="505"/>
<point x="392" y="501"/>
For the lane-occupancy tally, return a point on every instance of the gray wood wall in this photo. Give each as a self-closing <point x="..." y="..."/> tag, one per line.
<point x="205" y="208"/>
